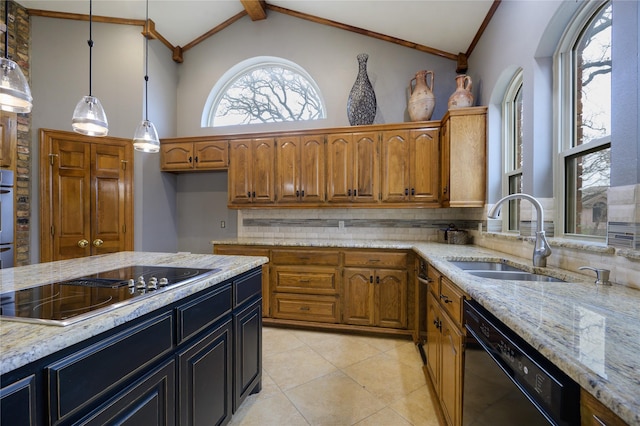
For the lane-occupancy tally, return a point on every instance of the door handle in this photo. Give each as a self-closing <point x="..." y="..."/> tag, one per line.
<point x="83" y="243"/>
<point x="97" y="242"/>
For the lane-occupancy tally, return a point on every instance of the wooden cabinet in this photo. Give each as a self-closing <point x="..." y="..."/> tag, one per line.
<point x="252" y="171"/>
<point x="463" y="157"/>
<point x="204" y="155"/>
<point x="8" y="139"/>
<point x="86" y="195"/>
<point x="353" y="172"/>
<point x="306" y="285"/>
<point x="377" y="295"/>
<point x="444" y="346"/>
<point x="300" y="169"/>
<point x="594" y="413"/>
<point x="410" y="166"/>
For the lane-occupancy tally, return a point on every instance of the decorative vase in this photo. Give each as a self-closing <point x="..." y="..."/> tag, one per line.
<point x="462" y="97"/>
<point x="361" y="105"/>
<point x="422" y="100"/>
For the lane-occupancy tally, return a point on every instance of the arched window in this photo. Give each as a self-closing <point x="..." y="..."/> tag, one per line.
<point x="263" y="90"/>
<point x="512" y="138"/>
<point x="584" y="106"/>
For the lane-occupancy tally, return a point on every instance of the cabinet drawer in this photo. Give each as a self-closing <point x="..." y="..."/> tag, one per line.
<point x="316" y="280"/>
<point x="202" y="312"/>
<point x="233" y="250"/>
<point x="305" y="257"/>
<point x="247" y="287"/>
<point x="375" y="259"/>
<point x="434" y="280"/>
<point x="80" y="378"/>
<point x="306" y="307"/>
<point x="451" y="299"/>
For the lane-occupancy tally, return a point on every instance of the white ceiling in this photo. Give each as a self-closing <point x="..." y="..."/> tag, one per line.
<point x="446" y="25"/>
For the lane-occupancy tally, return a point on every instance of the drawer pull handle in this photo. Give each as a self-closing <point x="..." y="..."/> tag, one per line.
<point x="374" y="260"/>
<point x="304" y="281"/>
<point x="445" y="299"/>
<point x="371" y="279"/>
<point x="304" y="308"/>
<point x="377" y="280"/>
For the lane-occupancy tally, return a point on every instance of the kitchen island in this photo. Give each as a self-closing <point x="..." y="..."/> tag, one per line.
<point x="590" y="332"/>
<point x="141" y="355"/>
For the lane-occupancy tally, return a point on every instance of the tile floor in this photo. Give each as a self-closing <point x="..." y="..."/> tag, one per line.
<point x="331" y="379"/>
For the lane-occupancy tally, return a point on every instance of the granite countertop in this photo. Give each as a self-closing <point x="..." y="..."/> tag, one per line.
<point x="22" y="343"/>
<point x="590" y="332"/>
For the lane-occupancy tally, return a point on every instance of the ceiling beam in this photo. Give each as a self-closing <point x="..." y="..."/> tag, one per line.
<point x="256" y="9"/>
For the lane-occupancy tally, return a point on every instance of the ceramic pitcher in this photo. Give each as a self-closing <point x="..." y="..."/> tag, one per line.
<point x="422" y="100"/>
<point x="462" y="97"/>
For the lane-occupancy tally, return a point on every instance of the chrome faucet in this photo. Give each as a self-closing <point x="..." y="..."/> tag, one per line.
<point x="541" y="250"/>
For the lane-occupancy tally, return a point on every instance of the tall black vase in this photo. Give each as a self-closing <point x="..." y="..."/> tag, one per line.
<point x="361" y="105"/>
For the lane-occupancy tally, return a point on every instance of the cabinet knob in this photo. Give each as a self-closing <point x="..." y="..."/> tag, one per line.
<point x="406" y="191"/>
<point x="371" y="279"/>
<point x="413" y="191"/>
<point x="304" y="308"/>
<point x="349" y="192"/>
<point x="83" y="243"/>
<point x="377" y="280"/>
<point x="190" y="159"/>
<point x="97" y="242"/>
<point x="302" y="193"/>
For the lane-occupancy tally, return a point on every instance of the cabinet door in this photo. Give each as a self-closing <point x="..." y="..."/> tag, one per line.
<point x="176" y="156"/>
<point x="358" y="296"/>
<point x="424" y="167"/>
<point x="444" y="163"/>
<point x="18" y="403"/>
<point x="240" y="176"/>
<point x="391" y="298"/>
<point x="204" y="379"/>
<point x="211" y="155"/>
<point x="312" y="164"/>
<point x="109" y="188"/>
<point x="247" y="334"/>
<point x="8" y="139"/>
<point x="339" y="167"/>
<point x="263" y="168"/>
<point x="366" y="170"/>
<point x="395" y="175"/>
<point x="451" y="375"/>
<point x="288" y="168"/>
<point x="433" y="340"/>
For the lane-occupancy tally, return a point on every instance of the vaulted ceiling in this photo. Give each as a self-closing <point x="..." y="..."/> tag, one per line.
<point x="442" y="27"/>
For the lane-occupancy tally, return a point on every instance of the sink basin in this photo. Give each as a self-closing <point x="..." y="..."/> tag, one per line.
<point x="516" y="275"/>
<point x="500" y="271"/>
<point x="478" y="265"/>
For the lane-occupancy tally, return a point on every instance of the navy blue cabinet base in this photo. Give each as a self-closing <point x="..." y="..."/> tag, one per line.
<point x="189" y="363"/>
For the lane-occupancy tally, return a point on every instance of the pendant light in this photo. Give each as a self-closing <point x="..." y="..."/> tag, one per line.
<point x="89" y="117"/>
<point x="15" y="95"/>
<point x="145" y="138"/>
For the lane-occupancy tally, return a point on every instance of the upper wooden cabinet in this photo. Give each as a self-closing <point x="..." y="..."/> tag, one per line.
<point x="410" y="166"/>
<point x="184" y="155"/>
<point x="8" y="141"/>
<point x="300" y="169"/>
<point x="464" y="158"/>
<point x="353" y="173"/>
<point x="251" y="171"/>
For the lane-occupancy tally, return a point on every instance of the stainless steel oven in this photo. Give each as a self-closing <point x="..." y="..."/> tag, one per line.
<point x="6" y="219"/>
<point x="508" y="382"/>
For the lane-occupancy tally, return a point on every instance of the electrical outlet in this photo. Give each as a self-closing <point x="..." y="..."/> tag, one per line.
<point x="223" y="224"/>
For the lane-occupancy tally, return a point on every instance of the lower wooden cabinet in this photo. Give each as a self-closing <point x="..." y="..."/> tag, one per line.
<point x="594" y="413"/>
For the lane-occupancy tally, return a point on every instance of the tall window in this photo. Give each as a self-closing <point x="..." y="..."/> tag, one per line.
<point x="585" y="139"/>
<point x="264" y="90"/>
<point x="512" y="121"/>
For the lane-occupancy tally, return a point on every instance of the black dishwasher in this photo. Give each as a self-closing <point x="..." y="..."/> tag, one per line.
<point x="508" y="382"/>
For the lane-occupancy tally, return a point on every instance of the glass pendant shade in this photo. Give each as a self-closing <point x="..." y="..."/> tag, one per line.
<point x="15" y="95"/>
<point x="145" y="138"/>
<point x="89" y="117"/>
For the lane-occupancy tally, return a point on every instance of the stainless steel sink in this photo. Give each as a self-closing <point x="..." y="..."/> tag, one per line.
<point x="478" y="265"/>
<point x="500" y="271"/>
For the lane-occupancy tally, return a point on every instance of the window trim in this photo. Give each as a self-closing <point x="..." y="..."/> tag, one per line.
<point x="232" y="74"/>
<point x="564" y="113"/>
<point x="508" y="146"/>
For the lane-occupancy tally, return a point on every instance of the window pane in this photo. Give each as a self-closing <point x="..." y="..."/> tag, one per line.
<point x="593" y="79"/>
<point x="517" y="130"/>
<point x="587" y="183"/>
<point x="515" y="187"/>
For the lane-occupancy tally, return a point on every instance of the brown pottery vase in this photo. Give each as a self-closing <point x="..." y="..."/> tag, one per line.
<point x="462" y="97"/>
<point x="422" y="100"/>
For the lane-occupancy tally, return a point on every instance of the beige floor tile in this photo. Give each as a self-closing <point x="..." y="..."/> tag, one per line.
<point x="310" y="336"/>
<point x="295" y="367"/>
<point x="384" y="417"/>
<point x="386" y="378"/>
<point x="334" y="399"/>
<point x="343" y="351"/>
<point x="406" y="353"/>
<point x="384" y="343"/>
<point x="278" y="340"/>
<point x="276" y="411"/>
<point x="417" y="408"/>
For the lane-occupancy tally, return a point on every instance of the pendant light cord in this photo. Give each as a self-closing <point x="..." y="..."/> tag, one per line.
<point x="6" y="29"/>
<point x="146" y="67"/>
<point x="90" y="42"/>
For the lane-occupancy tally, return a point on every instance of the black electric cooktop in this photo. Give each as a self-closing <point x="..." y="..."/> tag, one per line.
<point x="70" y="301"/>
